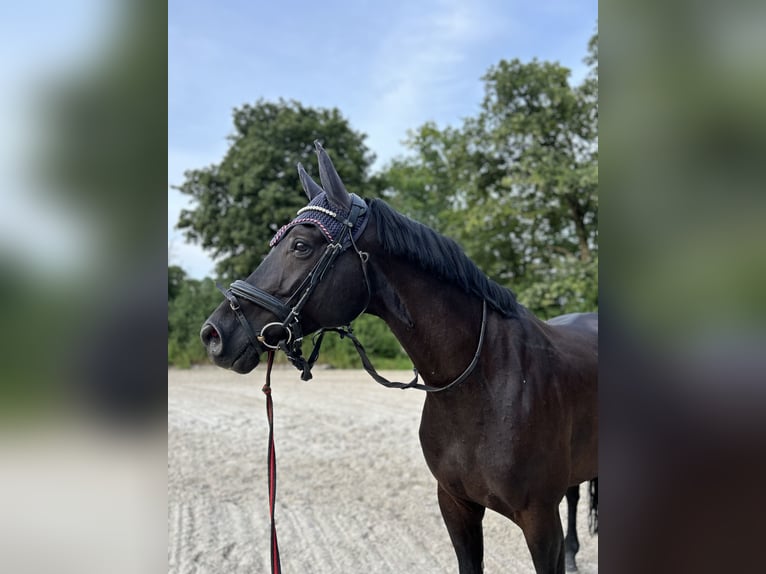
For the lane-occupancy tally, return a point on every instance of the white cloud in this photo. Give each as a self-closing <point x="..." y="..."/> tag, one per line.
<point x="418" y="72"/>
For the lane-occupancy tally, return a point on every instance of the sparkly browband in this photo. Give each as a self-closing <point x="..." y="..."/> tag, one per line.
<point x="330" y="222"/>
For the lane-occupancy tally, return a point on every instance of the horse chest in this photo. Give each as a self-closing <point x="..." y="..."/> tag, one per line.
<point x="467" y="460"/>
<point x="477" y="454"/>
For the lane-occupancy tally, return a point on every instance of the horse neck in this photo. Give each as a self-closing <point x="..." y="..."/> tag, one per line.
<point x="437" y="324"/>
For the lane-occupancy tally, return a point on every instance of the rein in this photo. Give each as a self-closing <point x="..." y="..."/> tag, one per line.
<point x="271" y="462"/>
<point x="276" y="565"/>
<point x="413" y="384"/>
<point x="292" y="336"/>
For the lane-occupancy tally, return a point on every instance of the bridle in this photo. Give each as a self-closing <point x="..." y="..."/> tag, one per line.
<point x="288" y="313"/>
<point x="291" y="335"/>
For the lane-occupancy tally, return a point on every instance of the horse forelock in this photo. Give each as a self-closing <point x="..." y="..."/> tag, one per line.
<point x="443" y="257"/>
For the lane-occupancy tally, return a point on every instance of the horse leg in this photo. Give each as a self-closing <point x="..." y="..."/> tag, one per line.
<point x="571" y="544"/>
<point x="545" y="539"/>
<point x="463" y="521"/>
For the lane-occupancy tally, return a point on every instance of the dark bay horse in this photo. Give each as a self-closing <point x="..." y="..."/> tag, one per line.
<point x="510" y="421"/>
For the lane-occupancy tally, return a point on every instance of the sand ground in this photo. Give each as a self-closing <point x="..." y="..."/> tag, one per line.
<point x="354" y="494"/>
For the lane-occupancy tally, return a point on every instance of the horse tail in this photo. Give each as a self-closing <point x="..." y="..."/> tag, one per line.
<point x="593" y="514"/>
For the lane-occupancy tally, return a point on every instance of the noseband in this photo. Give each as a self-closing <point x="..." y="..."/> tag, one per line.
<point x="288" y="313"/>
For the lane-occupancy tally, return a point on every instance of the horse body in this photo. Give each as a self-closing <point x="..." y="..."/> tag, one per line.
<point x="520" y="430"/>
<point x="517" y="434"/>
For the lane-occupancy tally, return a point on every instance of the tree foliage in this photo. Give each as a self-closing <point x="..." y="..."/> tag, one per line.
<point x="241" y="202"/>
<point x="190" y="302"/>
<point x="517" y="185"/>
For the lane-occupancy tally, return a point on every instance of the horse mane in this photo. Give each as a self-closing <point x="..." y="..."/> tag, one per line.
<point x="443" y="257"/>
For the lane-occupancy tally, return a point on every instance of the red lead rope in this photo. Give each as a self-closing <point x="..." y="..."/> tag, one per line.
<point x="276" y="567"/>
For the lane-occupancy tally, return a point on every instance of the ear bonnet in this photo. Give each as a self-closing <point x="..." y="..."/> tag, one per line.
<point x="331" y="208"/>
<point x="330" y="219"/>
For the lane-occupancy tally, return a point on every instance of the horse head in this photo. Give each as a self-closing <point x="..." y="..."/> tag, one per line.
<point x="314" y="277"/>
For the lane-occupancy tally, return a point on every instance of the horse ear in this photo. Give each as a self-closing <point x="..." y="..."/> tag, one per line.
<point x="311" y="187"/>
<point x="331" y="182"/>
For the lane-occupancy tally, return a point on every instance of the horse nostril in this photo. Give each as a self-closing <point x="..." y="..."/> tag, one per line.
<point x="211" y="338"/>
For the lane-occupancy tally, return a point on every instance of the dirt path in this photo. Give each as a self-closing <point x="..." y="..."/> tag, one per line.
<point x="354" y="493"/>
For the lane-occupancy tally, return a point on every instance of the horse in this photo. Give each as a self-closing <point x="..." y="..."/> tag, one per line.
<point x="510" y="419"/>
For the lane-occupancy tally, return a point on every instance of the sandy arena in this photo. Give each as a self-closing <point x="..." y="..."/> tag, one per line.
<point x="354" y="494"/>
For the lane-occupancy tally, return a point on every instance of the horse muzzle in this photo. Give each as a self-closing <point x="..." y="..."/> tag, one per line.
<point x="239" y="356"/>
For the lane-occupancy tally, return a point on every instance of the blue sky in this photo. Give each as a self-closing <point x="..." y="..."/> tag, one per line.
<point x="389" y="66"/>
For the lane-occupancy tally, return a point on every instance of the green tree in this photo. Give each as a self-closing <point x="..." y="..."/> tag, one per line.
<point x="427" y="186"/>
<point x="241" y="202"/>
<point x="540" y="127"/>
<point x="176" y="277"/>
<point x="517" y="184"/>
<point x="190" y="302"/>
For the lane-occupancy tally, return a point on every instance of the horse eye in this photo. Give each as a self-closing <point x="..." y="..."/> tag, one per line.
<point x="301" y="247"/>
